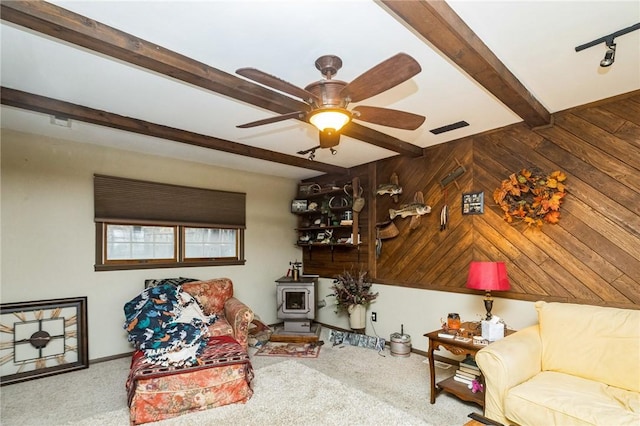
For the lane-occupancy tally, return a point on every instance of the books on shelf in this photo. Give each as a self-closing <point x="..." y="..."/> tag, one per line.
<point x="470" y="368"/>
<point x="464" y="380"/>
<point x="465" y="373"/>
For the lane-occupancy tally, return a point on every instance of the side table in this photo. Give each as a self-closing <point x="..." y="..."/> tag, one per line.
<point x="456" y="347"/>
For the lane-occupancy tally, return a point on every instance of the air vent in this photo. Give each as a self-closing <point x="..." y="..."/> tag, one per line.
<point x="449" y="127"/>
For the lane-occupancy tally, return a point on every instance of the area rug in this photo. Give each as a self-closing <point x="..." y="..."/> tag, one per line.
<point x="287" y="393"/>
<point x="294" y="350"/>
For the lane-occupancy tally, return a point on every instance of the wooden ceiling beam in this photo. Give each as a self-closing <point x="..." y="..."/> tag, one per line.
<point x="438" y="23"/>
<point x="71" y="27"/>
<point x="42" y="104"/>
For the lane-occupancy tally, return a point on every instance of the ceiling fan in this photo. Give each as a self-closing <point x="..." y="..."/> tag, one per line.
<point x="328" y="99"/>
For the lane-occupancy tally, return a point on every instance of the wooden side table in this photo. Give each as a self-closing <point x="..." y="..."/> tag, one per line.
<point x="456" y="347"/>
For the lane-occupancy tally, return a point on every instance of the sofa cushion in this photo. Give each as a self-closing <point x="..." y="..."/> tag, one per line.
<point x="590" y="342"/>
<point x="552" y="398"/>
<point x="212" y="294"/>
<point x="221" y="328"/>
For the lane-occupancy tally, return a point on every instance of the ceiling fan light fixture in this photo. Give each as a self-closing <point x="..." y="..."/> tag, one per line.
<point x="330" y="118"/>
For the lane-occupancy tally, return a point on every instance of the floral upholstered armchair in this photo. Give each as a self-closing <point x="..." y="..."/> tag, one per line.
<point x="213" y="370"/>
<point x="216" y="297"/>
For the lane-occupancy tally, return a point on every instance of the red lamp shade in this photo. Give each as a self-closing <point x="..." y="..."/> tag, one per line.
<point x="488" y="276"/>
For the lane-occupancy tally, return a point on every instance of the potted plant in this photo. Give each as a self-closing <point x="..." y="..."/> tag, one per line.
<point x="353" y="294"/>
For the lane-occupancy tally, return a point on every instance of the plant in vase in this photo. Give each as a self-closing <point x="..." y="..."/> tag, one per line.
<point x="353" y="294"/>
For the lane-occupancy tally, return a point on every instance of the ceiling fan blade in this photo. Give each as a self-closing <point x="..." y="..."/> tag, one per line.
<point x="387" y="74"/>
<point x="388" y="117"/>
<point x="297" y="114"/>
<point x="277" y="83"/>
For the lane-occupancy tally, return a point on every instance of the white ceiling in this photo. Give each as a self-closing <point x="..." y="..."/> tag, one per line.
<point x="534" y="39"/>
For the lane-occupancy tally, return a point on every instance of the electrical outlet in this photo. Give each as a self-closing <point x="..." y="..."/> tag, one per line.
<point x="374" y="316"/>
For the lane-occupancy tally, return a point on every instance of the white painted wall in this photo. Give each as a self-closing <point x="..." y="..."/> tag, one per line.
<point x="47" y="243"/>
<point x="421" y="311"/>
<point x="48" y="230"/>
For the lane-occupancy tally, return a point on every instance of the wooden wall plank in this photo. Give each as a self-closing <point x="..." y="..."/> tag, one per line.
<point x="600" y="140"/>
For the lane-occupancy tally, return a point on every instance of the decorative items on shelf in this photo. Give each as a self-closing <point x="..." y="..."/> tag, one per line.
<point x="353" y="295"/>
<point x="298" y="206"/>
<point x="308" y="188"/>
<point x="327" y="216"/>
<point x="531" y="196"/>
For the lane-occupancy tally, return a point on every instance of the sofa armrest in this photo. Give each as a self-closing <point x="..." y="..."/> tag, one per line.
<point x="239" y="317"/>
<point x="507" y="363"/>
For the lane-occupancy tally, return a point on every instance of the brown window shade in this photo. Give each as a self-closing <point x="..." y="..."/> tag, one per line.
<point x="122" y="200"/>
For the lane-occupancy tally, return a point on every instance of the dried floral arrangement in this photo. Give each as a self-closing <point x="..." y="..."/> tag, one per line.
<point x="532" y="197"/>
<point x="352" y="289"/>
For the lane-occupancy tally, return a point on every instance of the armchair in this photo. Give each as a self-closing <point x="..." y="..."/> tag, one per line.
<point x="222" y="375"/>
<point x="578" y="366"/>
<point x="216" y="297"/>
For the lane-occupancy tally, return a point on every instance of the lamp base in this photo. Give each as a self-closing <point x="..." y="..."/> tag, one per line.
<point x="488" y="304"/>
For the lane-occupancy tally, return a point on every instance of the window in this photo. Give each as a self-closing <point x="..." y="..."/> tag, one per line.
<point x="202" y="243"/>
<point x="135" y="242"/>
<point x="150" y="225"/>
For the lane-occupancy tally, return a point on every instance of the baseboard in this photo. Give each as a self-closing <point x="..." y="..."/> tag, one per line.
<point x="110" y="358"/>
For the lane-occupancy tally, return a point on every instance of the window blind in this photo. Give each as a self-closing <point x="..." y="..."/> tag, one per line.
<point x="123" y="200"/>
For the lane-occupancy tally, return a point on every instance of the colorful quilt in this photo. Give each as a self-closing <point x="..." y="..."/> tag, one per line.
<point x="167" y="324"/>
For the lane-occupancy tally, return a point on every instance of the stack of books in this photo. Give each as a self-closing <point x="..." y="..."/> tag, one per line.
<point x="467" y="371"/>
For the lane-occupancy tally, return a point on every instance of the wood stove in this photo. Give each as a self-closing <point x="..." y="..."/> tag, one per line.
<point x="296" y="300"/>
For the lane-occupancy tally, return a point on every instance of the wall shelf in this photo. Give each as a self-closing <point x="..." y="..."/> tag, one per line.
<point x="314" y="224"/>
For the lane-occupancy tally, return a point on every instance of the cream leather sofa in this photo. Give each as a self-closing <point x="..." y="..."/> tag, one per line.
<point x="580" y="365"/>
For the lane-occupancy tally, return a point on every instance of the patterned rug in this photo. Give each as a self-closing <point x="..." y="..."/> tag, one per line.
<point x="294" y="350"/>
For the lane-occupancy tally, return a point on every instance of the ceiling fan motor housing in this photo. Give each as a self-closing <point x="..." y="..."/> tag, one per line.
<point x="328" y="92"/>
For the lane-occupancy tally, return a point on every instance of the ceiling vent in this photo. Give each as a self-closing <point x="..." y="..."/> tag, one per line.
<point x="449" y="127"/>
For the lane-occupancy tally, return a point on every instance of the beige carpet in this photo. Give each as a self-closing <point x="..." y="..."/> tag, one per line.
<point x="287" y="393"/>
<point x="345" y="385"/>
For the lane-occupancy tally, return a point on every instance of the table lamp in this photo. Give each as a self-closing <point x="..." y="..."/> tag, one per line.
<point x="488" y="276"/>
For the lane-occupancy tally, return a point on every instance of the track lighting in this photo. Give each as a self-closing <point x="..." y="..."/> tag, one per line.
<point x="609" y="56"/>
<point x="333" y="151"/>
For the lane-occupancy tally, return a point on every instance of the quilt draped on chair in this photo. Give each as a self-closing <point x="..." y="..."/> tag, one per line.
<point x="168" y="325"/>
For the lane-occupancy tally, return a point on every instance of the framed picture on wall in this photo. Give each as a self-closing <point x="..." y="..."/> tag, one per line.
<point x="473" y="203"/>
<point x="42" y="338"/>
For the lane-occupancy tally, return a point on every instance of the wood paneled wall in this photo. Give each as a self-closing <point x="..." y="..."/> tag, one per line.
<point x="592" y="256"/>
